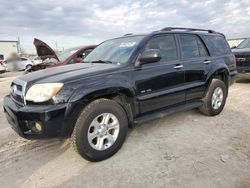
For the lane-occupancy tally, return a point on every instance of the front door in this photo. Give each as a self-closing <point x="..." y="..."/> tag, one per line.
<point x="159" y="85"/>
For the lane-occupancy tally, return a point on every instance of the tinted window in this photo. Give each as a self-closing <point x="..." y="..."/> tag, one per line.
<point x="189" y="46"/>
<point x="166" y="45"/>
<point x="202" y="49"/>
<point x="217" y="45"/>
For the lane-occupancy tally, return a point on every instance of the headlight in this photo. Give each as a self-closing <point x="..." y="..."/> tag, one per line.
<point x="43" y="92"/>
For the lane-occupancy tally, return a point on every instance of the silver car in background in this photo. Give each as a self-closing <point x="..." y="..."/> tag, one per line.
<point x="19" y="64"/>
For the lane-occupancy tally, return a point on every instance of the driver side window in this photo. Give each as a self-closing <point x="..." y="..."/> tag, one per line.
<point x="167" y="46"/>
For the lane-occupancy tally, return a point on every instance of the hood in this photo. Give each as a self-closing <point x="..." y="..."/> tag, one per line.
<point x="241" y="51"/>
<point x="43" y="50"/>
<point x="68" y="73"/>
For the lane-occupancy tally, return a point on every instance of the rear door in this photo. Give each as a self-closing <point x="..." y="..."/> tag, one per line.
<point x="196" y="62"/>
<point x="159" y="84"/>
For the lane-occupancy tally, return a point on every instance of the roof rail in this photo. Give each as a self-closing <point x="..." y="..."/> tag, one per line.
<point x="128" y="34"/>
<point x="187" y="29"/>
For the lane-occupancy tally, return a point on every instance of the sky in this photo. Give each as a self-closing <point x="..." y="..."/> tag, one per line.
<point x="64" y="24"/>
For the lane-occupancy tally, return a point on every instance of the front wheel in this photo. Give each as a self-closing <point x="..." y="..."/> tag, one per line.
<point x="215" y="99"/>
<point x="28" y="67"/>
<point x="100" y="130"/>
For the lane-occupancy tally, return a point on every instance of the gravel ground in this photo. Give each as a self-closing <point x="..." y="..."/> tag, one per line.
<point x="182" y="150"/>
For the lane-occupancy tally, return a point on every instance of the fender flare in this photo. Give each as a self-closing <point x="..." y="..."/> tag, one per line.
<point x="218" y="70"/>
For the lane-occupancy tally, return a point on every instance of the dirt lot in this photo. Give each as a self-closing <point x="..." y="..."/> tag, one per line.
<point x="182" y="150"/>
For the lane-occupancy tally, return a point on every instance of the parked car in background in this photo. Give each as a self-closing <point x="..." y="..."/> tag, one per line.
<point x="125" y="81"/>
<point x="37" y="60"/>
<point x="52" y="59"/>
<point x="2" y="64"/>
<point x="19" y="64"/>
<point x="242" y="54"/>
<point x="2" y="67"/>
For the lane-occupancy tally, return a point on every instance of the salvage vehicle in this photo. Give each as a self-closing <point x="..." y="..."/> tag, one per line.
<point x="242" y="54"/>
<point x="52" y="59"/>
<point x="124" y="82"/>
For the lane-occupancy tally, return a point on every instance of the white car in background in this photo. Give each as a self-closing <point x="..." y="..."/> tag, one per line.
<point x="19" y="65"/>
<point x="37" y="60"/>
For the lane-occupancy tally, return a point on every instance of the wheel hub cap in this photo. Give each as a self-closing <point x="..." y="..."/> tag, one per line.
<point x="103" y="131"/>
<point x="217" y="98"/>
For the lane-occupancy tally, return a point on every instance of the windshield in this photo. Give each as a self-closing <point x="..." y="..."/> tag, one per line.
<point x="65" y="54"/>
<point x="115" y="50"/>
<point x="244" y="44"/>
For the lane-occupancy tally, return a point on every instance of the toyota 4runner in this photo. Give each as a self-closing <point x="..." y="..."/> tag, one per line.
<point x="125" y="81"/>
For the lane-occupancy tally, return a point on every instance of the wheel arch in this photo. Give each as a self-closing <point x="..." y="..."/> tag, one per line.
<point x="122" y="96"/>
<point x="220" y="73"/>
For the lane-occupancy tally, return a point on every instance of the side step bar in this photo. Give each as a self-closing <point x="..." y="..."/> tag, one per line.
<point x="163" y="113"/>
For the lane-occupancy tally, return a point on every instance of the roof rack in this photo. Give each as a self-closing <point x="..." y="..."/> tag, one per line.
<point x="187" y="29"/>
<point x="127" y="34"/>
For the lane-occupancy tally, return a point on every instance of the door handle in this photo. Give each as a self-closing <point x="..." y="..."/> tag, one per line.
<point x="178" y="66"/>
<point x="207" y="62"/>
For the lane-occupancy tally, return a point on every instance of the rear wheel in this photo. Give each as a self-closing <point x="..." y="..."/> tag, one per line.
<point x="100" y="130"/>
<point x="215" y="99"/>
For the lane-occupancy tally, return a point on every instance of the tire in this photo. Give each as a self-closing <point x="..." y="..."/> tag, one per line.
<point x="88" y="148"/>
<point x="28" y="67"/>
<point x="212" y="109"/>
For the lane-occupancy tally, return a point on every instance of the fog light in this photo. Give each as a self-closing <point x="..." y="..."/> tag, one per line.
<point x="38" y="127"/>
<point x="35" y="126"/>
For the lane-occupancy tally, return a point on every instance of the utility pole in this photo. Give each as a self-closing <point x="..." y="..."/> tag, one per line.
<point x="18" y="45"/>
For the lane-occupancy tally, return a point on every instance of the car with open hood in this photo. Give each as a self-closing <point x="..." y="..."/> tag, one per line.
<point x="50" y="58"/>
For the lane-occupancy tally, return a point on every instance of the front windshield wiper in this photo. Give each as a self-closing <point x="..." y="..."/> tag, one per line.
<point x="101" y="61"/>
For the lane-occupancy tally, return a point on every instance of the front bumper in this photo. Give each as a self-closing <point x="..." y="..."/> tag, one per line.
<point x="22" y="119"/>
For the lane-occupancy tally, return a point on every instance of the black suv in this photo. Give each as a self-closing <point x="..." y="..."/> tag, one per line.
<point x="242" y="54"/>
<point x="124" y="81"/>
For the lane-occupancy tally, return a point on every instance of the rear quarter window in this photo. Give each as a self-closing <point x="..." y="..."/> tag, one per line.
<point x="217" y="45"/>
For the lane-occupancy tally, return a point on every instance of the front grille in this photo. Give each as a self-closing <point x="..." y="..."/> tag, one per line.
<point x="17" y="91"/>
<point x="243" y="61"/>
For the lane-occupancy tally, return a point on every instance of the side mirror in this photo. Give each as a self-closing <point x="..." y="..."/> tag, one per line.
<point x="150" y="56"/>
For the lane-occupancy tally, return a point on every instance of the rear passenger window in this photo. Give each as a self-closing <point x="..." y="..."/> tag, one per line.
<point x="202" y="49"/>
<point x="192" y="47"/>
<point x="167" y="46"/>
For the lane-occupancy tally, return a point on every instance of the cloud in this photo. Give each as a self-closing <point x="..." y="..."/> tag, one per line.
<point x="75" y="22"/>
